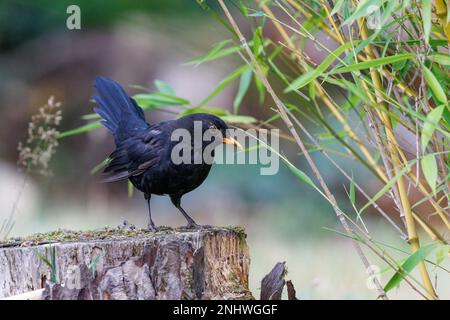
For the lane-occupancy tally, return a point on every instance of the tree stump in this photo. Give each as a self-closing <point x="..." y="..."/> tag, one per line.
<point x="128" y="264"/>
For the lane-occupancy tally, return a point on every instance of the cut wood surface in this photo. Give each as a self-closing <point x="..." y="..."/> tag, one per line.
<point x="128" y="264"/>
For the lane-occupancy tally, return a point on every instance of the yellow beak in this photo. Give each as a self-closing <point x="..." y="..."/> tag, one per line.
<point x="233" y="142"/>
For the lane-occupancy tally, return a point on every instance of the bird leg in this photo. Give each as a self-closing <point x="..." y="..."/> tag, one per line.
<point x="151" y="225"/>
<point x="191" y="223"/>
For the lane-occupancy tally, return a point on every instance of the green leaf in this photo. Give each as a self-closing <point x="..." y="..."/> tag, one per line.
<point x="164" y="87"/>
<point x="100" y="166"/>
<point x="216" y="52"/>
<point x="300" y="174"/>
<point x="44" y="259"/>
<point x="337" y="7"/>
<point x="260" y="86"/>
<point x="391" y="6"/>
<point x="257" y="14"/>
<point x="331" y="136"/>
<point x="224" y="83"/>
<point x="243" y="9"/>
<point x="215" y="111"/>
<point x="352" y="87"/>
<point x="435" y="86"/>
<point x="309" y="76"/>
<point x="158" y="99"/>
<point x="90" y="116"/>
<point x="430" y="170"/>
<point x="409" y="265"/>
<point x="244" y="84"/>
<point x="441" y="58"/>
<point x="426" y="18"/>
<point x="222" y="113"/>
<point x="388" y="186"/>
<point x="257" y="46"/>
<point x="86" y="128"/>
<point x="130" y="189"/>
<point x="51" y="264"/>
<point x="374" y="63"/>
<point x="441" y="252"/>
<point x="364" y="8"/>
<point x="238" y="119"/>
<point x="430" y="124"/>
<point x="352" y="192"/>
<point x="53" y="271"/>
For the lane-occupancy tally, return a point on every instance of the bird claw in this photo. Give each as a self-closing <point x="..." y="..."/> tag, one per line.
<point x="197" y="226"/>
<point x="152" y="227"/>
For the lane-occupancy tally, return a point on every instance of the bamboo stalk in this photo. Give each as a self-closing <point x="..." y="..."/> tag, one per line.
<point x="410" y="224"/>
<point x="441" y="12"/>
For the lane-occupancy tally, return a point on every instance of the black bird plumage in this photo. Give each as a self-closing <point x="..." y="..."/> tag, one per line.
<point x="143" y="150"/>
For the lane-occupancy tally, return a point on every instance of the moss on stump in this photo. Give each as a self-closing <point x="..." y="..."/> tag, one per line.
<point x="128" y="264"/>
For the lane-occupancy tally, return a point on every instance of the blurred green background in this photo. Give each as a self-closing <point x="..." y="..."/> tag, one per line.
<point x="136" y="43"/>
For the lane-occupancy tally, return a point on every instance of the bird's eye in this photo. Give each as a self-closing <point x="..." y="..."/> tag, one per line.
<point x="213" y="128"/>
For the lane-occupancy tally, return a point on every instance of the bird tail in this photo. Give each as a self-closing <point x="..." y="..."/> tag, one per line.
<point x="120" y="113"/>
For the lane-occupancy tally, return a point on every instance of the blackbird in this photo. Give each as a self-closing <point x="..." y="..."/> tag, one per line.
<point x="143" y="150"/>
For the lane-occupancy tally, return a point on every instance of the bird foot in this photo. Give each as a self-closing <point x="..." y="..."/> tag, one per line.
<point x="151" y="227"/>
<point x="197" y="226"/>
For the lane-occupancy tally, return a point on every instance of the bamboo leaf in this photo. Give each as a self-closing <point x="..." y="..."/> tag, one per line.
<point x="86" y="128"/>
<point x="224" y="83"/>
<point x="352" y="87"/>
<point x="409" y="265"/>
<point x="352" y="191"/>
<point x="53" y="270"/>
<point x="441" y="253"/>
<point x="300" y="174"/>
<point x="233" y="118"/>
<point x="430" y="170"/>
<point x="244" y="84"/>
<point x="158" y="99"/>
<point x="385" y="26"/>
<point x="309" y="76"/>
<point x="243" y="8"/>
<point x="388" y="186"/>
<point x="223" y="114"/>
<point x="100" y="166"/>
<point x="215" y="111"/>
<point x="426" y="18"/>
<point x="90" y="116"/>
<point x="216" y="52"/>
<point x="257" y="14"/>
<point x="130" y="188"/>
<point x="337" y="7"/>
<point x="435" y="86"/>
<point x="441" y="58"/>
<point x="430" y="124"/>
<point x="260" y="86"/>
<point x="164" y="87"/>
<point x="374" y="63"/>
<point x="364" y="8"/>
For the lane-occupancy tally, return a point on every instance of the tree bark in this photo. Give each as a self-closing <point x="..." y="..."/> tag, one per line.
<point x="204" y="264"/>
